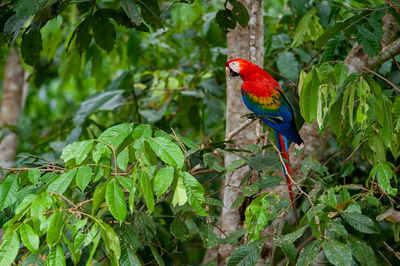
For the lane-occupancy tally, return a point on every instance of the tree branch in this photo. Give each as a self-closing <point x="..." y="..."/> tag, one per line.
<point x="387" y="53"/>
<point x="239" y="128"/>
<point x="5" y="4"/>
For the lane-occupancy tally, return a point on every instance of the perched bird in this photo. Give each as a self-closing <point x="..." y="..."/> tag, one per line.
<point x="264" y="97"/>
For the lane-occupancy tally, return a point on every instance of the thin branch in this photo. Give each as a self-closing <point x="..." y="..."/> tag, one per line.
<point x="391" y="250"/>
<point x="373" y="72"/>
<point x="239" y="128"/>
<point x="298" y="186"/>
<point x="204" y="171"/>
<point x="5" y="4"/>
<point x="386" y="53"/>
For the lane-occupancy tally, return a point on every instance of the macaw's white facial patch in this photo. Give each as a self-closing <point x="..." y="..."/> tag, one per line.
<point x="235" y="66"/>
<point x="227" y="71"/>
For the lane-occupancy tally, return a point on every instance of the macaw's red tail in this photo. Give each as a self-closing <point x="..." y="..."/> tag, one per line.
<point x="283" y="148"/>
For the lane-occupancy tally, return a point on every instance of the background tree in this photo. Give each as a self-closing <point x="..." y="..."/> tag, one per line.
<point x="122" y="136"/>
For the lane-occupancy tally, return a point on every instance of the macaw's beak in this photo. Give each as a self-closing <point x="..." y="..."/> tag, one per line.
<point x="230" y="73"/>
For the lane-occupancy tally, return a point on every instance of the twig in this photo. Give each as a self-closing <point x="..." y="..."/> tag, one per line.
<point x="391" y="250"/>
<point x="204" y="171"/>
<point x="298" y="186"/>
<point x="397" y="64"/>
<point x="355" y="150"/>
<point x="5" y="4"/>
<point x="388" y="262"/>
<point x="373" y="72"/>
<point x="239" y="128"/>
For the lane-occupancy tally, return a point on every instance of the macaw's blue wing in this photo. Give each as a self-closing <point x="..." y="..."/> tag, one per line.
<point x="276" y="111"/>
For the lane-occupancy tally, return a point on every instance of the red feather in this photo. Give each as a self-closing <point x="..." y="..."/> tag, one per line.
<point x="285" y="155"/>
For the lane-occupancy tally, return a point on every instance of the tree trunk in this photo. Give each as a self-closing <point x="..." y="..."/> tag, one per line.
<point x="247" y="43"/>
<point x="11" y="106"/>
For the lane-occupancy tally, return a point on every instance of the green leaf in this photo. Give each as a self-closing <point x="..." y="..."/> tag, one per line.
<point x="264" y="162"/>
<point x="167" y="151"/>
<point x="387" y="123"/>
<point x="331" y="46"/>
<point x="233" y="237"/>
<point x="208" y="236"/>
<point x="295" y="235"/>
<point x="331" y="198"/>
<point x="151" y="12"/>
<point x="83" y="35"/>
<point x="99" y="150"/>
<point x="337" y="253"/>
<point x="126" y="182"/>
<point x="335" y="230"/>
<point x="61" y="183"/>
<point x="8" y="191"/>
<point x="238" y="201"/>
<point x="128" y="257"/>
<point x="123" y="159"/>
<point x="107" y="100"/>
<point x="179" y="229"/>
<point x="256" y="216"/>
<point x="56" y="256"/>
<point x="103" y="31"/>
<point x="33" y="175"/>
<point x="225" y="19"/>
<point x="26" y="8"/>
<point x="362" y="252"/>
<point x="240" y="13"/>
<point x="384" y="174"/>
<point x="157" y="256"/>
<point x="308" y="253"/>
<point x="328" y="34"/>
<point x="180" y="196"/>
<point x="131" y="11"/>
<point x="288" y="249"/>
<point x="360" y="222"/>
<point x="163" y="180"/>
<point x="142" y="131"/>
<point x="31" y="46"/>
<point x="83" y="177"/>
<point x="372" y="200"/>
<point x="115" y="135"/>
<point x="246" y="254"/>
<point x="116" y="200"/>
<point x="93" y="249"/>
<point x="195" y="192"/>
<point x="287" y="65"/>
<point x="309" y="96"/>
<point x="147" y="189"/>
<point x="98" y="196"/>
<point x="111" y="241"/>
<point x="270" y="181"/>
<point x="77" y="150"/>
<point x="29" y="237"/>
<point x="9" y="248"/>
<point x="55" y="228"/>
<point x="303" y="27"/>
<point x="212" y="161"/>
<point x="371" y="44"/>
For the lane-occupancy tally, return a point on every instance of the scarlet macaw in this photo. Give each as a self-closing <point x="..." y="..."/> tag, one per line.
<point x="264" y="97"/>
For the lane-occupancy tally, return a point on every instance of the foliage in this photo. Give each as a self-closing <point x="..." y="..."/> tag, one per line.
<point x="132" y="93"/>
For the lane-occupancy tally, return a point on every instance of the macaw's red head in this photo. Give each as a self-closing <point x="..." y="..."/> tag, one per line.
<point x="244" y="68"/>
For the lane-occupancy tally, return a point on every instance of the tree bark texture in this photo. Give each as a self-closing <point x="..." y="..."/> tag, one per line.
<point x="11" y="105"/>
<point x="247" y="43"/>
